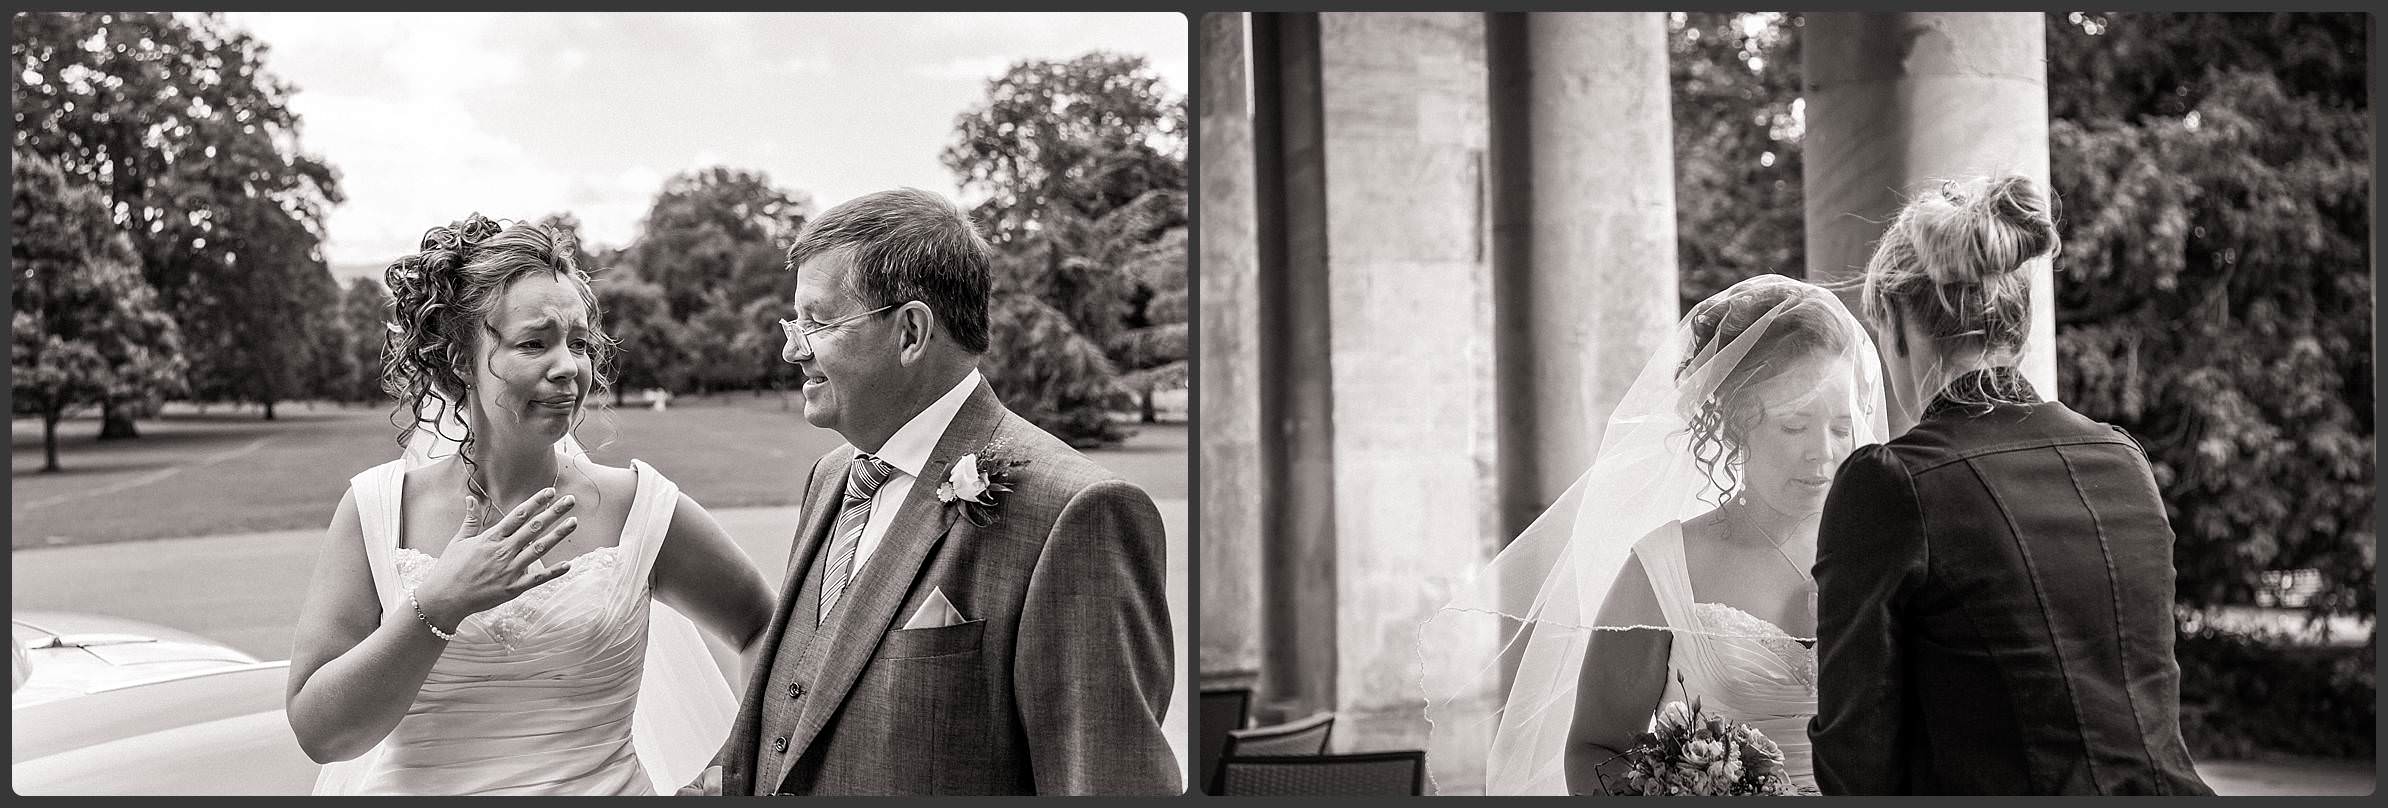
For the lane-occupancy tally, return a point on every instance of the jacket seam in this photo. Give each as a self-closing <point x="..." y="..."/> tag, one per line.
<point x="2039" y="597"/>
<point x="2122" y="639"/>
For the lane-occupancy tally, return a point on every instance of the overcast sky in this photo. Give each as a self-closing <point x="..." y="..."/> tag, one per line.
<point x="429" y="117"/>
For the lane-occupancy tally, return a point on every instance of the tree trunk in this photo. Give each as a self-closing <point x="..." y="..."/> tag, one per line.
<point x="116" y="422"/>
<point x="49" y="441"/>
<point x="1149" y="416"/>
<point x="617" y="398"/>
<point x="269" y="410"/>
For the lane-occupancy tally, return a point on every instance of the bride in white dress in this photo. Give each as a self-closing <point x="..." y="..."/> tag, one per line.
<point x="1677" y="567"/>
<point x="450" y="647"/>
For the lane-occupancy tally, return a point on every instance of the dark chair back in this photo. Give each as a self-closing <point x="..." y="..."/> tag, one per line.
<point x="1369" y="774"/>
<point x="1307" y="736"/>
<point x="1224" y="710"/>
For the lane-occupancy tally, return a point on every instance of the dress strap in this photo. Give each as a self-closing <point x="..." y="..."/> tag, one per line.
<point x="649" y="522"/>
<point x="380" y="493"/>
<point x="1662" y="558"/>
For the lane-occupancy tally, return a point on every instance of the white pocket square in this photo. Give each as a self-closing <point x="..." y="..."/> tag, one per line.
<point x="936" y="612"/>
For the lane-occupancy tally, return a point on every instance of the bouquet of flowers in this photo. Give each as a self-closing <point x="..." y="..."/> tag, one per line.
<point x="1690" y="752"/>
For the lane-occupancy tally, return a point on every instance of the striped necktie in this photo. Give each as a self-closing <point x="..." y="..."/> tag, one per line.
<point x="864" y="475"/>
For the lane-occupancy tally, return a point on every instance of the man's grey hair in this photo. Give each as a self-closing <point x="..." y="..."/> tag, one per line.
<point x="909" y="244"/>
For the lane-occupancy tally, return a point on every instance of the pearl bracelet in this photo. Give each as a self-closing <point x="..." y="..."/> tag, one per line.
<point x="444" y="635"/>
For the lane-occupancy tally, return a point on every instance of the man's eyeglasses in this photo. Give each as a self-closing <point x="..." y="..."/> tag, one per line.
<point x="800" y="335"/>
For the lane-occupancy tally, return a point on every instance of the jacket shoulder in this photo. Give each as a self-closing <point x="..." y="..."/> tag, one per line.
<point x="1053" y="464"/>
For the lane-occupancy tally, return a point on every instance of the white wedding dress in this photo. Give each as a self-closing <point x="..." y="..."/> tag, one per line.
<point x="541" y="694"/>
<point x="1741" y="666"/>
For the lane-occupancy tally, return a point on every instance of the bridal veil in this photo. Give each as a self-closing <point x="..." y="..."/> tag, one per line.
<point x="1500" y="661"/>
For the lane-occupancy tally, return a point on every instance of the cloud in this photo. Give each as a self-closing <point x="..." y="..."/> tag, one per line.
<point x="801" y="66"/>
<point x="434" y="54"/>
<point x="568" y="60"/>
<point x="976" y="69"/>
<point x="430" y="117"/>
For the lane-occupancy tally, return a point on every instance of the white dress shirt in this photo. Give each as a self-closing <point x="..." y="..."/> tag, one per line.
<point x="908" y="451"/>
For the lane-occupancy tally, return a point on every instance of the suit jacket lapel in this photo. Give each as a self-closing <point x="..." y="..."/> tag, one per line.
<point x="820" y="511"/>
<point x="888" y="575"/>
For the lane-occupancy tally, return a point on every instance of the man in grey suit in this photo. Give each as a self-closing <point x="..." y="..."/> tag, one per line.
<point x="971" y="606"/>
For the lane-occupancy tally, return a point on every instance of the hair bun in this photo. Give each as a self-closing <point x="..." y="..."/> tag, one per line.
<point x="2023" y="207"/>
<point x="1973" y="231"/>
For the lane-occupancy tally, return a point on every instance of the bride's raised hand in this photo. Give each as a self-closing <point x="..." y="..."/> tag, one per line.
<point x="481" y="569"/>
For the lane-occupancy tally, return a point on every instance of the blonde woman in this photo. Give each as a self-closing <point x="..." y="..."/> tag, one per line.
<point x="1996" y="583"/>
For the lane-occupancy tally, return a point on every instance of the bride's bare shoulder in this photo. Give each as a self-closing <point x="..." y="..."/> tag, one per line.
<point x="611" y="480"/>
<point x="440" y="475"/>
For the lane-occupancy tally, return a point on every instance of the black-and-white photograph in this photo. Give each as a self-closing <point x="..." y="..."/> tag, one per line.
<point x="1765" y="403"/>
<point x="600" y="404"/>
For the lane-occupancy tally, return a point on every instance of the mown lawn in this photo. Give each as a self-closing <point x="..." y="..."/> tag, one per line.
<point x="230" y="471"/>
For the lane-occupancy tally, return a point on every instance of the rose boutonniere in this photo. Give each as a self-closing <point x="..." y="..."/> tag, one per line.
<point x="974" y="483"/>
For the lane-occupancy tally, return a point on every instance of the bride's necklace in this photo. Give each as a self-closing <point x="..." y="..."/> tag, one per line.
<point x="1771" y="541"/>
<point x="490" y="514"/>
<point x="1778" y="551"/>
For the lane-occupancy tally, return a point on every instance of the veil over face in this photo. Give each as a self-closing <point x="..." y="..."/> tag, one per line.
<point x="1500" y="662"/>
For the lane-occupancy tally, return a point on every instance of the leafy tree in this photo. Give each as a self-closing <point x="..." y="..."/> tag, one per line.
<point x="759" y="342"/>
<point x="364" y="320"/>
<point x="2215" y="174"/>
<point x="1082" y="166"/>
<point x="719" y="230"/>
<point x="1064" y="384"/>
<point x="267" y="302"/>
<point x="715" y="361"/>
<point x="1152" y="352"/>
<point x="1093" y="133"/>
<point x="651" y="347"/>
<point x="84" y="328"/>
<point x="184" y="132"/>
<point x="1739" y="205"/>
<point x="1119" y="287"/>
<point x="331" y="365"/>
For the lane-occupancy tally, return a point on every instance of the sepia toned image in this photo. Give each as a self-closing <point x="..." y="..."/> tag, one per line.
<point x="1768" y="403"/>
<point x="600" y="404"/>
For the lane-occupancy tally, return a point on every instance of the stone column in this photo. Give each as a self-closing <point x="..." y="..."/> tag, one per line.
<point x="1895" y="100"/>
<point x="1593" y="290"/>
<point x="1410" y="304"/>
<point x="1228" y="386"/>
<point x="1298" y="476"/>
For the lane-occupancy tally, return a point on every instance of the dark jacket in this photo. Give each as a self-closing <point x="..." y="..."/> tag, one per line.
<point x="1995" y="611"/>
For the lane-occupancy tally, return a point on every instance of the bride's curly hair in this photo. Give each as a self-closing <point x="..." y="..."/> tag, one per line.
<point x="441" y="297"/>
<point x="1803" y="327"/>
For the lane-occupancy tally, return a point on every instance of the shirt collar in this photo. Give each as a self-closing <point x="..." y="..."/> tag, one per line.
<point x="908" y="449"/>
